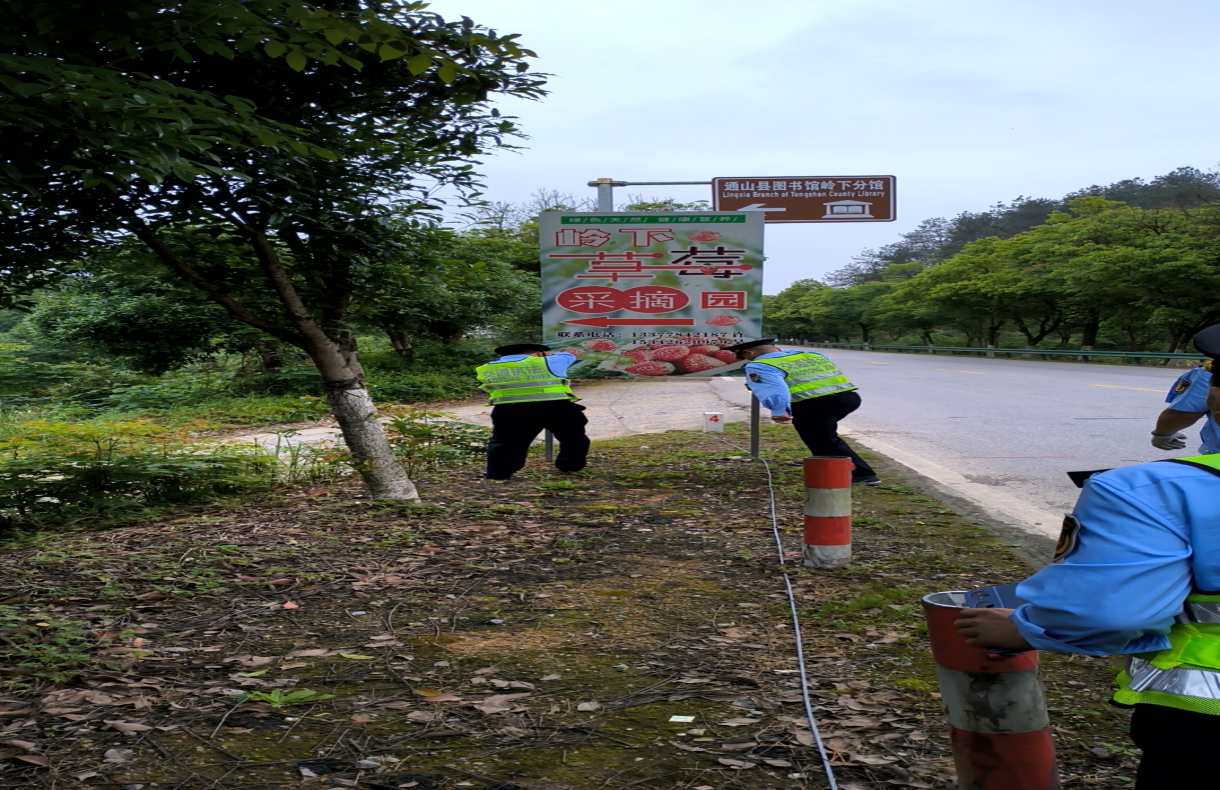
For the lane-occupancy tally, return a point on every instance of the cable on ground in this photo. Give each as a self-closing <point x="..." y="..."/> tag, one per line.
<point x="796" y="622"/>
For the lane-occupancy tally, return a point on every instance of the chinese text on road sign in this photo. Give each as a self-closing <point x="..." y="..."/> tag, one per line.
<point x="650" y="294"/>
<point x="809" y="198"/>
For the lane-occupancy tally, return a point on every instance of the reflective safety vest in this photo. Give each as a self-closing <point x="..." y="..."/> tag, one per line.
<point x="1186" y="675"/>
<point x="523" y="381"/>
<point x="809" y="375"/>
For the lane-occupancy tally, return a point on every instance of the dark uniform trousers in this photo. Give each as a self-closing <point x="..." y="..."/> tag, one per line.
<point x="1177" y="746"/>
<point x="516" y="425"/>
<point x="817" y="423"/>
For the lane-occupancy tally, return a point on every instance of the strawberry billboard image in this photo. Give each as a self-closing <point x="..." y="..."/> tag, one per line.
<point x="651" y="294"/>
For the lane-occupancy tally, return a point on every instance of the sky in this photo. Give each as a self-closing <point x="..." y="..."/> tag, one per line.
<point x="966" y="102"/>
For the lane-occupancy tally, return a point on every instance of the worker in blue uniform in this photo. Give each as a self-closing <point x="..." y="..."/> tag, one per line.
<point x="806" y="389"/>
<point x="529" y="392"/>
<point x="1187" y="401"/>
<point x="1137" y="572"/>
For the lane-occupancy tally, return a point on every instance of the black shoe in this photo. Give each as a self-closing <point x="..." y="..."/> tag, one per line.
<point x="871" y="480"/>
<point x="799" y="463"/>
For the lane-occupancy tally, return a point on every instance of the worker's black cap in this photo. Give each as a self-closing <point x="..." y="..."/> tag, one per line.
<point x="766" y="341"/>
<point x="521" y="348"/>
<point x="1208" y="341"/>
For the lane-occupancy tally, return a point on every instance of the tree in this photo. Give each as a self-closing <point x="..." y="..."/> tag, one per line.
<point x="146" y="321"/>
<point x="293" y="131"/>
<point x="451" y="284"/>
<point x="785" y="313"/>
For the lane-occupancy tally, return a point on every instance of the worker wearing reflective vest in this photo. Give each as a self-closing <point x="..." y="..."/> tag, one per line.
<point x="807" y="390"/>
<point x="1137" y="572"/>
<point x="528" y="390"/>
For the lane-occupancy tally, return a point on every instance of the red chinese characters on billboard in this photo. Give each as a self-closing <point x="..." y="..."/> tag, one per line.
<point x="650" y="293"/>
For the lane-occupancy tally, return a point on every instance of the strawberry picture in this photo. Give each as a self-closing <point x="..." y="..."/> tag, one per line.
<point x="650" y="368"/>
<point x="697" y="363"/>
<point x="723" y="320"/>
<point x="600" y="345"/>
<point x="670" y="353"/>
<point x="704" y="235"/>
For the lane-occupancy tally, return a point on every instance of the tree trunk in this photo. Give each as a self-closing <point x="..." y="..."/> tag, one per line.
<point x="365" y="438"/>
<point x="343" y="376"/>
<point x="402" y="344"/>
<point x="270" y="356"/>
<point x="1088" y="336"/>
<point x="333" y="353"/>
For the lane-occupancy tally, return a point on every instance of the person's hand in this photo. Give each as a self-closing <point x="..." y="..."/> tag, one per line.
<point x="990" y="628"/>
<point x="1174" y="441"/>
<point x="784" y="418"/>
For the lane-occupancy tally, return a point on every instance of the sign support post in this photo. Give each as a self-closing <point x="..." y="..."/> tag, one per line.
<point x="755" y="412"/>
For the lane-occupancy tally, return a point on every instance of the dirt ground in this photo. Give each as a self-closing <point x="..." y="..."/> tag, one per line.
<point x="626" y="627"/>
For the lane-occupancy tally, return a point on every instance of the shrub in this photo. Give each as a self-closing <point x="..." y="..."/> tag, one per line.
<point x="409" y="387"/>
<point x="55" y="472"/>
<point x="422" y="438"/>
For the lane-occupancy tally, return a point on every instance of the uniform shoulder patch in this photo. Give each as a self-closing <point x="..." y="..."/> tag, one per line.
<point x="1181" y="386"/>
<point x="757" y="379"/>
<point x="1067" y="538"/>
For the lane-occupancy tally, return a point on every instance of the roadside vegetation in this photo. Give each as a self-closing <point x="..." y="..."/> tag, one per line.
<point x="543" y="633"/>
<point x="1127" y="267"/>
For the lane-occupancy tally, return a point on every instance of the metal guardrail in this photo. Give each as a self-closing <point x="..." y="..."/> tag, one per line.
<point x="1136" y="356"/>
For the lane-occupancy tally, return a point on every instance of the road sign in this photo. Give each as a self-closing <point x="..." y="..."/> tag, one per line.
<point x="650" y="293"/>
<point x="809" y="198"/>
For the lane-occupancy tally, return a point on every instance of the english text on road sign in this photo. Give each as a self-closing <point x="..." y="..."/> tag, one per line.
<point x="650" y="293"/>
<point x="808" y="198"/>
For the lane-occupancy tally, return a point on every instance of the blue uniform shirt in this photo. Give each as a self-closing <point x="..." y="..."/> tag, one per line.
<point x="1189" y="393"/>
<point x="767" y="382"/>
<point x="558" y="362"/>
<point x="1148" y="535"/>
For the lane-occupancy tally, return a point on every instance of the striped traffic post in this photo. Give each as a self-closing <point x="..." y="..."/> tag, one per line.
<point x="999" y="729"/>
<point x="827" y="511"/>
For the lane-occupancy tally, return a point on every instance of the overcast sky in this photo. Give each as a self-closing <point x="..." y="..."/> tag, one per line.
<point x="966" y="102"/>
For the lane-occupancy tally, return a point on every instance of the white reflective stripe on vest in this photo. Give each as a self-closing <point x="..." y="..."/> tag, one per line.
<point x="831" y="374"/>
<point x="1181" y="681"/>
<point x="538" y="383"/>
<point x="539" y="397"/>
<point x="1200" y="613"/>
<point x="807" y="394"/>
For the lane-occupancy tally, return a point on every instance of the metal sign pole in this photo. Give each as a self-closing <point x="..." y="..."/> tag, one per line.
<point x="754" y="417"/>
<point x="549" y="442"/>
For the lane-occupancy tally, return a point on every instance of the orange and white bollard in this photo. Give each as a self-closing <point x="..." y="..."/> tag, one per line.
<point x="999" y="729"/>
<point x="827" y="511"/>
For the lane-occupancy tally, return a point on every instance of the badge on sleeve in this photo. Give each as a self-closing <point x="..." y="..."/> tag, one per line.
<point x="1182" y="385"/>
<point x="754" y="377"/>
<point x="1067" y="538"/>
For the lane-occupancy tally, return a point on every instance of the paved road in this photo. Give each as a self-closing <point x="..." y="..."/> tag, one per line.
<point x="999" y="432"/>
<point x="1012" y="426"/>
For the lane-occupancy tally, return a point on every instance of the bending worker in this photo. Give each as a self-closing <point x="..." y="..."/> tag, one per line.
<point x="529" y="392"/>
<point x="1187" y="401"/>
<point x="807" y="390"/>
<point x="1137" y="572"/>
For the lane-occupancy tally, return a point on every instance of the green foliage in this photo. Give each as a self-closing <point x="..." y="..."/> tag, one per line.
<point x="145" y="320"/>
<point x="1139" y="279"/>
<point x="423" y="438"/>
<point x="45" y="645"/>
<point x="278" y="698"/>
<point x="304" y="463"/>
<point x="53" y="472"/>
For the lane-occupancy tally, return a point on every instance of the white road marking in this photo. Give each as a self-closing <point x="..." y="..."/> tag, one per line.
<point x="1004" y="506"/>
<point x="1113" y="387"/>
